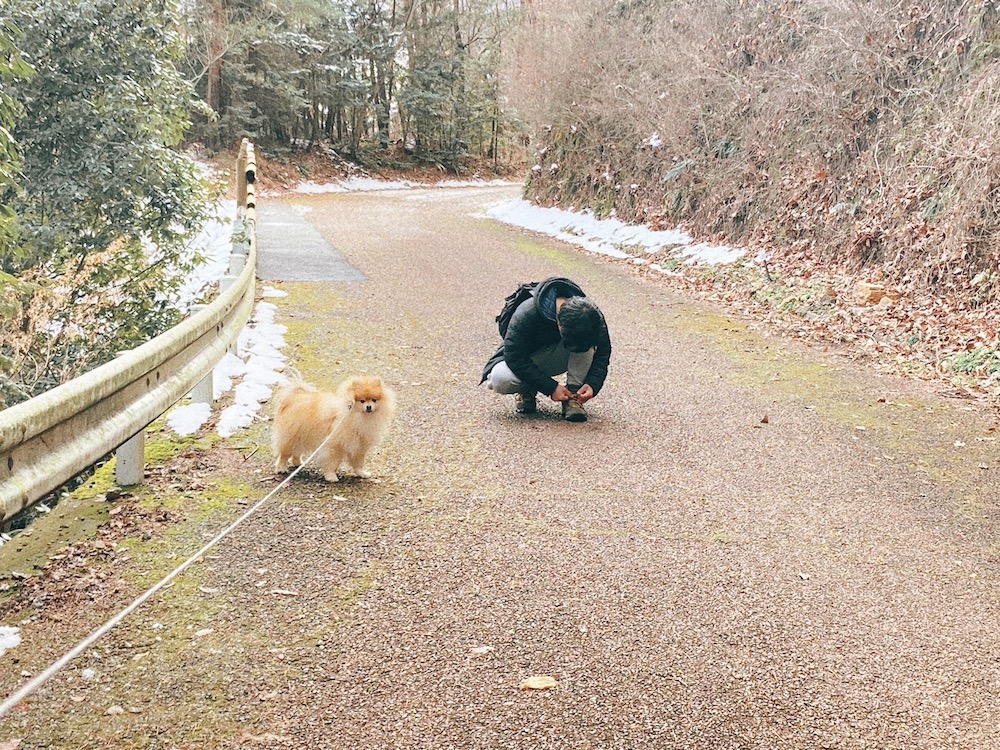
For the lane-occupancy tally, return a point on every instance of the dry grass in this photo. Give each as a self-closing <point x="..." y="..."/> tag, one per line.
<point x="862" y="131"/>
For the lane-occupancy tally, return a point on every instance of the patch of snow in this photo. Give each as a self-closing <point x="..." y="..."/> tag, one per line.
<point x="367" y="184"/>
<point x="214" y="244"/>
<point x="259" y="347"/>
<point x="188" y="419"/>
<point x="711" y="254"/>
<point x="251" y="373"/>
<point x="610" y="236"/>
<point x="352" y="184"/>
<point x="230" y="368"/>
<point x="10" y="637"/>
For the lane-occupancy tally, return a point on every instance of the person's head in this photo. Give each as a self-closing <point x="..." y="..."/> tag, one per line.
<point x="579" y="323"/>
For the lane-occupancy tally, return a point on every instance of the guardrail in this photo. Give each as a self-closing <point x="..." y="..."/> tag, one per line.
<point x="46" y="441"/>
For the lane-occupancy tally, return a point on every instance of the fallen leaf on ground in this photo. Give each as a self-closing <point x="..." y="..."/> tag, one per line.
<point x="482" y="649"/>
<point x="539" y="682"/>
<point x="203" y="632"/>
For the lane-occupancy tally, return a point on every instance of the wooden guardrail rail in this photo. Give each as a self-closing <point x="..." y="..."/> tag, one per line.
<point x="47" y="440"/>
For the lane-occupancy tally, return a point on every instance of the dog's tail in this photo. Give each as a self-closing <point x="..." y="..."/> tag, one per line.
<point x="292" y="384"/>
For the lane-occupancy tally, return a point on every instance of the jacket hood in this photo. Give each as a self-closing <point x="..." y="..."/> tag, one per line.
<point x="549" y="289"/>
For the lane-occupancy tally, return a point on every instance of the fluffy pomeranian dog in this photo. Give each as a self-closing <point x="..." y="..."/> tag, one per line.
<point x="355" y="417"/>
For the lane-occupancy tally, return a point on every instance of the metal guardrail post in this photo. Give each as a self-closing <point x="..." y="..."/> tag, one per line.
<point x="130" y="460"/>
<point x="236" y="262"/>
<point x="204" y="392"/>
<point x="241" y="174"/>
<point x="246" y="176"/>
<point x="130" y="457"/>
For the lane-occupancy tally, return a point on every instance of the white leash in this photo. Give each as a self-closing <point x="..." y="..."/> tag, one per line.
<point x="36" y="682"/>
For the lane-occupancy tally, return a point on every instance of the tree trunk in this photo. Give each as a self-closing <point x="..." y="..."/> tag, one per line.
<point x="213" y="82"/>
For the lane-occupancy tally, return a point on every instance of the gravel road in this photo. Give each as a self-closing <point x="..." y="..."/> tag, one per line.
<point x="748" y="545"/>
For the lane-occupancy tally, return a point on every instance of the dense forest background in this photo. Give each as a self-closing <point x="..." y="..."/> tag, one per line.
<point x="421" y="77"/>
<point x="851" y="137"/>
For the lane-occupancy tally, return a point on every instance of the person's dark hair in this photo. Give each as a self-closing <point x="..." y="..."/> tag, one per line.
<point x="580" y="323"/>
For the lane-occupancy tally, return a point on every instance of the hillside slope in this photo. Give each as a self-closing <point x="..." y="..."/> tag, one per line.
<point x="852" y="141"/>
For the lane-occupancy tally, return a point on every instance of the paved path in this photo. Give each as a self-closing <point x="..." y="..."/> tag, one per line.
<point x="747" y="546"/>
<point x="292" y="249"/>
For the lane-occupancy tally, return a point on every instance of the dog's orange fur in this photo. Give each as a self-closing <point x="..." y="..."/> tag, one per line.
<point x="356" y="417"/>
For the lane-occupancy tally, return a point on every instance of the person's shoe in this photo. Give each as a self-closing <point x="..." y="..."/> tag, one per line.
<point x="524" y="403"/>
<point x="573" y="410"/>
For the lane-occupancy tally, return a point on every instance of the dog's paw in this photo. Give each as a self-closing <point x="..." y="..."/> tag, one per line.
<point x="364" y="474"/>
<point x="331" y="477"/>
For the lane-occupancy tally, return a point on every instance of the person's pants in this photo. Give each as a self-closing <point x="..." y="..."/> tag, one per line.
<point x="553" y="360"/>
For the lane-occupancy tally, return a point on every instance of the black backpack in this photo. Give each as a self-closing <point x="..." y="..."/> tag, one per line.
<point x="511" y="302"/>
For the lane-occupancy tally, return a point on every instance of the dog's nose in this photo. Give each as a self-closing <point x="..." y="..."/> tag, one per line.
<point x="368" y="407"/>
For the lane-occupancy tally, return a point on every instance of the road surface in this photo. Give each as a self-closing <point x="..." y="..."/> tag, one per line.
<point x="748" y="545"/>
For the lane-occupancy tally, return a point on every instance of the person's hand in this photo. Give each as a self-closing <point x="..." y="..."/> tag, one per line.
<point x="584" y="394"/>
<point x="561" y="393"/>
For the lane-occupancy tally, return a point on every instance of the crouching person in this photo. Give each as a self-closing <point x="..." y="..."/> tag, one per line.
<point x="552" y="329"/>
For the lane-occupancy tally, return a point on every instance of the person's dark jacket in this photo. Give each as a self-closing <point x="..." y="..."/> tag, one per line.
<point x="533" y="326"/>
